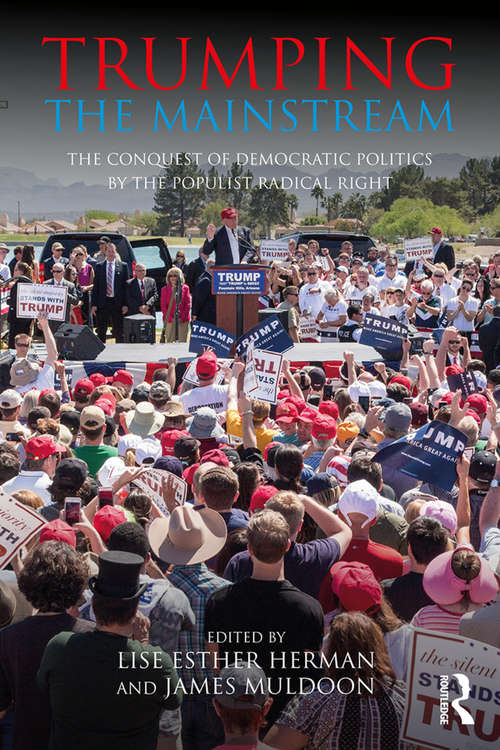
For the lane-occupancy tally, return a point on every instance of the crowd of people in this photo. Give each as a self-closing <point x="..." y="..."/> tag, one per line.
<point x="278" y="552"/>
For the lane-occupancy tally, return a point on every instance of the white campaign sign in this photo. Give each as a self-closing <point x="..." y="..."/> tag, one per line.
<point x="308" y="328"/>
<point x="190" y="375"/>
<point x="273" y="250"/>
<point x="453" y="693"/>
<point x="18" y="524"/>
<point x="150" y="483"/>
<point x="33" y="299"/>
<point x="268" y="371"/>
<point x="419" y="248"/>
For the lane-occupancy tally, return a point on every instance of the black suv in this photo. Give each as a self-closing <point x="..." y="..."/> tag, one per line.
<point x="151" y="251"/>
<point x="333" y="240"/>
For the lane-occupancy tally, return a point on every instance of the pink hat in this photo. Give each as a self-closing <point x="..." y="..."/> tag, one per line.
<point x="261" y="496"/>
<point x="442" y="511"/>
<point x="444" y="587"/>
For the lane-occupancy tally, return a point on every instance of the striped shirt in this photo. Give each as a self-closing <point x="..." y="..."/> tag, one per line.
<point x="198" y="583"/>
<point x="433" y="617"/>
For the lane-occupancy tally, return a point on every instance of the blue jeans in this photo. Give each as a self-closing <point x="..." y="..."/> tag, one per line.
<point x="201" y="727"/>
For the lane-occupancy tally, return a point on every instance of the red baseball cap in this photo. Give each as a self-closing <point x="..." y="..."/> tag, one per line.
<point x="106" y="405"/>
<point x="123" y="376"/>
<point x="58" y="531"/>
<point x="206" y="365"/>
<point x="216" y="456"/>
<point x="107" y="518"/>
<point x="42" y="446"/>
<point x="356" y="587"/>
<point x="268" y="448"/>
<point x="324" y="427"/>
<point x="84" y="387"/>
<point x="286" y="413"/>
<point x="478" y="402"/>
<point x="261" y="496"/>
<point x="98" y="379"/>
<point x="308" y="415"/>
<point x="436" y="230"/>
<point x="402" y="379"/>
<point x="453" y="370"/>
<point x="298" y="402"/>
<point x="168" y="440"/>
<point x="330" y="408"/>
<point x="45" y="390"/>
<point x="448" y="397"/>
<point x="474" y="415"/>
<point x="188" y="473"/>
<point x="228" y="213"/>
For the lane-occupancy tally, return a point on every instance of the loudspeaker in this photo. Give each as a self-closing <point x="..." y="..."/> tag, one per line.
<point x="139" y="329"/>
<point x="270" y="311"/>
<point x="78" y="343"/>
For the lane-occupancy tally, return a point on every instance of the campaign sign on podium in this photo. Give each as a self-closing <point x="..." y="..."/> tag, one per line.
<point x="237" y="289"/>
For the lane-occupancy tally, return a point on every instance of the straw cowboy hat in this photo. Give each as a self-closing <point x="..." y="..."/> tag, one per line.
<point x="188" y="536"/>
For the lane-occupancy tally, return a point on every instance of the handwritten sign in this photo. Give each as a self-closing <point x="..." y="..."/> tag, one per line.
<point x="190" y="375"/>
<point x="452" y="699"/>
<point x="32" y="299"/>
<point x="420" y="248"/>
<point x="150" y="483"/>
<point x="18" y="524"/>
<point x="268" y="372"/>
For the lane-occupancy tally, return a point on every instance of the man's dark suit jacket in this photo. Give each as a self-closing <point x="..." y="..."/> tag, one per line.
<point x="222" y="247"/>
<point x="445" y="254"/>
<point x="72" y="298"/>
<point x="489" y="343"/>
<point x="204" y="305"/>
<point x="120" y="284"/>
<point x="47" y="266"/>
<point x="134" y="297"/>
<point x="193" y="273"/>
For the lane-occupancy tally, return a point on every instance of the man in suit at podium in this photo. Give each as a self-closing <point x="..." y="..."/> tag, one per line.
<point x="443" y="253"/>
<point x="142" y="294"/>
<point x="109" y="295"/>
<point x="232" y="244"/>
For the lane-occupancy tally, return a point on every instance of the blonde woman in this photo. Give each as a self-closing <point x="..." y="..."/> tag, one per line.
<point x="175" y="295"/>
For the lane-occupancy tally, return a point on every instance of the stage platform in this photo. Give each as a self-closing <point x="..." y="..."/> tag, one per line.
<point x="300" y="353"/>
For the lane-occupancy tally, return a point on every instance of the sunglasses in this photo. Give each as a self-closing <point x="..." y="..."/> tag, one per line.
<point x="391" y="265"/>
<point x="312" y="273"/>
<point x="454" y="341"/>
<point x="79" y="255"/>
<point x="57" y="271"/>
<point x="24" y="346"/>
<point x="439" y="275"/>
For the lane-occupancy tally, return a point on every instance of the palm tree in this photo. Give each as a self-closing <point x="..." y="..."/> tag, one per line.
<point x="293" y="204"/>
<point x="317" y="193"/>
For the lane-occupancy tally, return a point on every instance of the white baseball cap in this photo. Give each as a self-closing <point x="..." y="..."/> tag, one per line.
<point x="359" y="497"/>
<point x="148" y="451"/>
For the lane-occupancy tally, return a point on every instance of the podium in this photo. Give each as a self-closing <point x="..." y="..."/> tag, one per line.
<point x="237" y="289"/>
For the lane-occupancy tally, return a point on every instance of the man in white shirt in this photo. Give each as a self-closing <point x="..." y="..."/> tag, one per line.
<point x="441" y="289"/>
<point x="38" y="469"/>
<point x="26" y="374"/>
<point x="312" y="294"/>
<point x="392" y="276"/>
<point x="207" y="393"/>
<point x="10" y="406"/>
<point x="232" y="244"/>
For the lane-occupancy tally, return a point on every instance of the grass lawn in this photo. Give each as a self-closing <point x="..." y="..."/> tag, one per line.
<point x="27" y="239"/>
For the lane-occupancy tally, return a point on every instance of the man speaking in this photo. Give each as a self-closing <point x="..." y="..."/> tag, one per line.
<point x="232" y="244"/>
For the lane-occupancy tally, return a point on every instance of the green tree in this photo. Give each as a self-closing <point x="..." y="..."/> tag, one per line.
<point x="95" y="213"/>
<point x="332" y="204"/>
<point x="412" y="218"/>
<point x="317" y="193"/>
<point x="268" y="206"/>
<point x="310" y="221"/>
<point x="407" y="182"/>
<point x="354" y="207"/>
<point x="476" y="180"/>
<point x="293" y="204"/>
<point x="178" y="203"/>
<point x="147" y="220"/>
<point x="211" y="214"/>
<point x="238" y="196"/>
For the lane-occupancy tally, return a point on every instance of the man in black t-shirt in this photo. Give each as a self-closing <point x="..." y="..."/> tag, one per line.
<point x="427" y="538"/>
<point x="264" y="616"/>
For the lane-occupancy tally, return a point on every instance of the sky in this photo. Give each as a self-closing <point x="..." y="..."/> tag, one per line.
<point x="30" y="75"/>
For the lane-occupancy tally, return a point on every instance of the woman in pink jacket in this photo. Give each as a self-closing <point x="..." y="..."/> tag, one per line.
<point x="175" y="281"/>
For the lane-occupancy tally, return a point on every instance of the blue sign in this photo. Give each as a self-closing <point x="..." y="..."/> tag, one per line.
<point x="463" y="381"/>
<point x="238" y="281"/>
<point x="383" y="334"/>
<point x="206" y="334"/>
<point x="270" y="336"/>
<point x="430" y="454"/>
